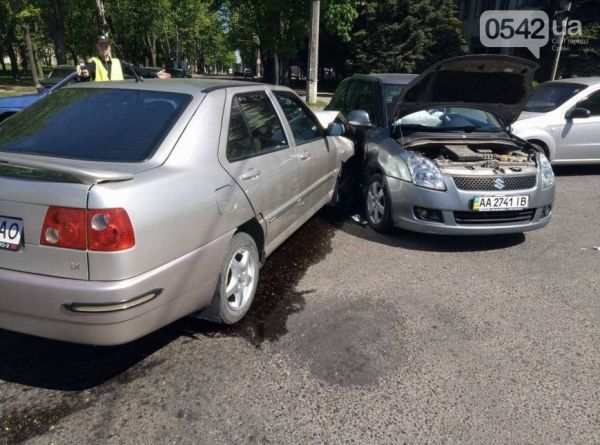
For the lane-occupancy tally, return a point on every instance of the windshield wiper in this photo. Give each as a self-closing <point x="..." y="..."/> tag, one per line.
<point x="465" y="128"/>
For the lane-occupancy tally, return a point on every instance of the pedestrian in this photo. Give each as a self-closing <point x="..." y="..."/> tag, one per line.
<point x="105" y="67"/>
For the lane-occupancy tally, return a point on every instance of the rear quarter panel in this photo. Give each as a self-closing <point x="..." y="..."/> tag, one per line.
<point x="173" y="207"/>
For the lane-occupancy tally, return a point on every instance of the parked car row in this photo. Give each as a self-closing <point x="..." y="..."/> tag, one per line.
<point x="125" y="206"/>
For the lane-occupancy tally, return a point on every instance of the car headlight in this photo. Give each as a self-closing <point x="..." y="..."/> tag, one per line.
<point x="394" y="166"/>
<point x="547" y="173"/>
<point x="425" y="173"/>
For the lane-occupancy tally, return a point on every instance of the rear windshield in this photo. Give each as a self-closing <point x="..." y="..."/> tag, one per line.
<point x="549" y="96"/>
<point x="110" y="125"/>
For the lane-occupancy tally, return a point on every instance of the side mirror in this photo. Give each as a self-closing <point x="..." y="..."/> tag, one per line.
<point x="359" y="118"/>
<point x="335" y="129"/>
<point x="577" y="113"/>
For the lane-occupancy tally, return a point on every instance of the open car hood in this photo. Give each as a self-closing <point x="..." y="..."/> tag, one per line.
<point x="495" y="83"/>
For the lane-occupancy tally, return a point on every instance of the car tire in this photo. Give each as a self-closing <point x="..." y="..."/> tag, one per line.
<point x="378" y="206"/>
<point x="238" y="278"/>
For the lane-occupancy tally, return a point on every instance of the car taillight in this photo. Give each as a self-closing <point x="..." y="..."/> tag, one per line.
<point x="105" y="230"/>
<point x="64" y="227"/>
<point x="110" y="230"/>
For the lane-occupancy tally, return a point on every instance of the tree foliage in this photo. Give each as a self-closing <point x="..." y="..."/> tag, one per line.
<point x="157" y="32"/>
<point x="280" y="28"/>
<point x="405" y="35"/>
<point x="581" y="54"/>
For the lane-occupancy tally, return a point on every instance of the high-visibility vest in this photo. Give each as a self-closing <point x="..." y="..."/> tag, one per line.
<point x="116" y="70"/>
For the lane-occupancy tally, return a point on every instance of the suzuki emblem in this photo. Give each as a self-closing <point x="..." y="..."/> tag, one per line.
<point x="499" y="184"/>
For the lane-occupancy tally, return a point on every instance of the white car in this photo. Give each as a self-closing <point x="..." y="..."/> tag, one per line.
<point x="563" y="117"/>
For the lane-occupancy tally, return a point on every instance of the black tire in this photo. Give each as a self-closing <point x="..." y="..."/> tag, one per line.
<point x="378" y="206"/>
<point x="229" y="310"/>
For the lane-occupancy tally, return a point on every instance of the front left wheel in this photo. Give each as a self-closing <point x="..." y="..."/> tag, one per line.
<point x="378" y="207"/>
<point x="239" y="278"/>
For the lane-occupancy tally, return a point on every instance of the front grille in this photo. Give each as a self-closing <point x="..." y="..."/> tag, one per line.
<point x="499" y="217"/>
<point x="487" y="183"/>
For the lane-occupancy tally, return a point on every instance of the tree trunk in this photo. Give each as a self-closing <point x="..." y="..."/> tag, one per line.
<point x="14" y="67"/>
<point x="22" y="49"/>
<point x="284" y="71"/>
<point x="102" y="23"/>
<point x="34" y="73"/>
<point x="2" y="59"/>
<point x="152" y="46"/>
<point x="38" y="63"/>
<point x="58" y="32"/>
<point x="272" y="68"/>
<point x="74" y="56"/>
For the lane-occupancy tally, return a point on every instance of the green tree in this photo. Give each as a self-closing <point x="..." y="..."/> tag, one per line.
<point x="405" y="35"/>
<point x="582" y="58"/>
<point x="280" y="28"/>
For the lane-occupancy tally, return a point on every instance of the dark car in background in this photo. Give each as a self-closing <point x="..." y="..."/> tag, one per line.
<point x="177" y="73"/>
<point x="13" y="104"/>
<point x="377" y="94"/>
<point x="56" y="75"/>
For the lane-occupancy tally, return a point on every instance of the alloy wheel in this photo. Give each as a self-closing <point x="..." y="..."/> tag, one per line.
<point x="241" y="275"/>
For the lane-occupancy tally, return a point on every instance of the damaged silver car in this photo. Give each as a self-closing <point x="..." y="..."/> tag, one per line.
<point x="445" y="161"/>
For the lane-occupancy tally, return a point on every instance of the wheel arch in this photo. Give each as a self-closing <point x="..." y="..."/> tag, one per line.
<point x="253" y="228"/>
<point x="540" y="144"/>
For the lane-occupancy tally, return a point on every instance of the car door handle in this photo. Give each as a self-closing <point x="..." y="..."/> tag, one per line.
<point x="304" y="156"/>
<point x="250" y="174"/>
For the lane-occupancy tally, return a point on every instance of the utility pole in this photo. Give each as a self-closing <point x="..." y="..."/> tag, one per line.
<point x="564" y="15"/>
<point x="313" y="53"/>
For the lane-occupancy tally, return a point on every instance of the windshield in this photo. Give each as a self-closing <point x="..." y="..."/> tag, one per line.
<point x="550" y="96"/>
<point x="450" y="119"/>
<point x="95" y="124"/>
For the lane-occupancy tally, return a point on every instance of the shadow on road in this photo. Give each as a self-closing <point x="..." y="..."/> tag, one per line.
<point x="42" y="363"/>
<point x="576" y="170"/>
<point x="424" y="242"/>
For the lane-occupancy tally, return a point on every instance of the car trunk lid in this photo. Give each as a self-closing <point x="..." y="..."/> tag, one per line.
<point x="27" y="189"/>
<point x="495" y="83"/>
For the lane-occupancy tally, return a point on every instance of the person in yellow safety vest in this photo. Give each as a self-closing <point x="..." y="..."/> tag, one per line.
<point x="105" y="67"/>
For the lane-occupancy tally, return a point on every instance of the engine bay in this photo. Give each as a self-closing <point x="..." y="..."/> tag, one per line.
<point x="479" y="157"/>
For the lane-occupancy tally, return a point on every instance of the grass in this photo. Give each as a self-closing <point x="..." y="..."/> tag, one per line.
<point x="318" y="105"/>
<point x="13" y="90"/>
<point x="15" y="87"/>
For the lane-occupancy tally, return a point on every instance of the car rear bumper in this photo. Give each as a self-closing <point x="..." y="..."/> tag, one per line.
<point x="110" y="312"/>
<point x="455" y="208"/>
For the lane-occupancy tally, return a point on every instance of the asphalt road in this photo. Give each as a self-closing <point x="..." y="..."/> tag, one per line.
<point x="355" y="337"/>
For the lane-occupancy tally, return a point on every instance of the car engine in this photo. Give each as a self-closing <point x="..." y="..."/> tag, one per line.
<point x="479" y="157"/>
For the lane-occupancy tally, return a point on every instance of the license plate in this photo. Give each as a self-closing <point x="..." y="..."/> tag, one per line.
<point x="495" y="203"/>
<point x="11" y="233"/>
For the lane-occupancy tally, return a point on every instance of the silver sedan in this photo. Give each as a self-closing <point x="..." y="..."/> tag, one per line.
<point x="125" y="206"/>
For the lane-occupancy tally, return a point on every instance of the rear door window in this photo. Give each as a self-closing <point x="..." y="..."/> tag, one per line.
<point x="305" y="126"/>
<point x="94" y="124"/>
<point x="254" y="127"/>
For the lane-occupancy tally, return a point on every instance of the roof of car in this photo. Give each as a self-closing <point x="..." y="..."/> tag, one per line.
<point x="580" y="80"/>
<point x="189" y="86"/>
<point x="393" y="78"/>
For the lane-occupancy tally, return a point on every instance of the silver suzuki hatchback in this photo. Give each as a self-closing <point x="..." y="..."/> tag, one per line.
<point x="125" y="206"/>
